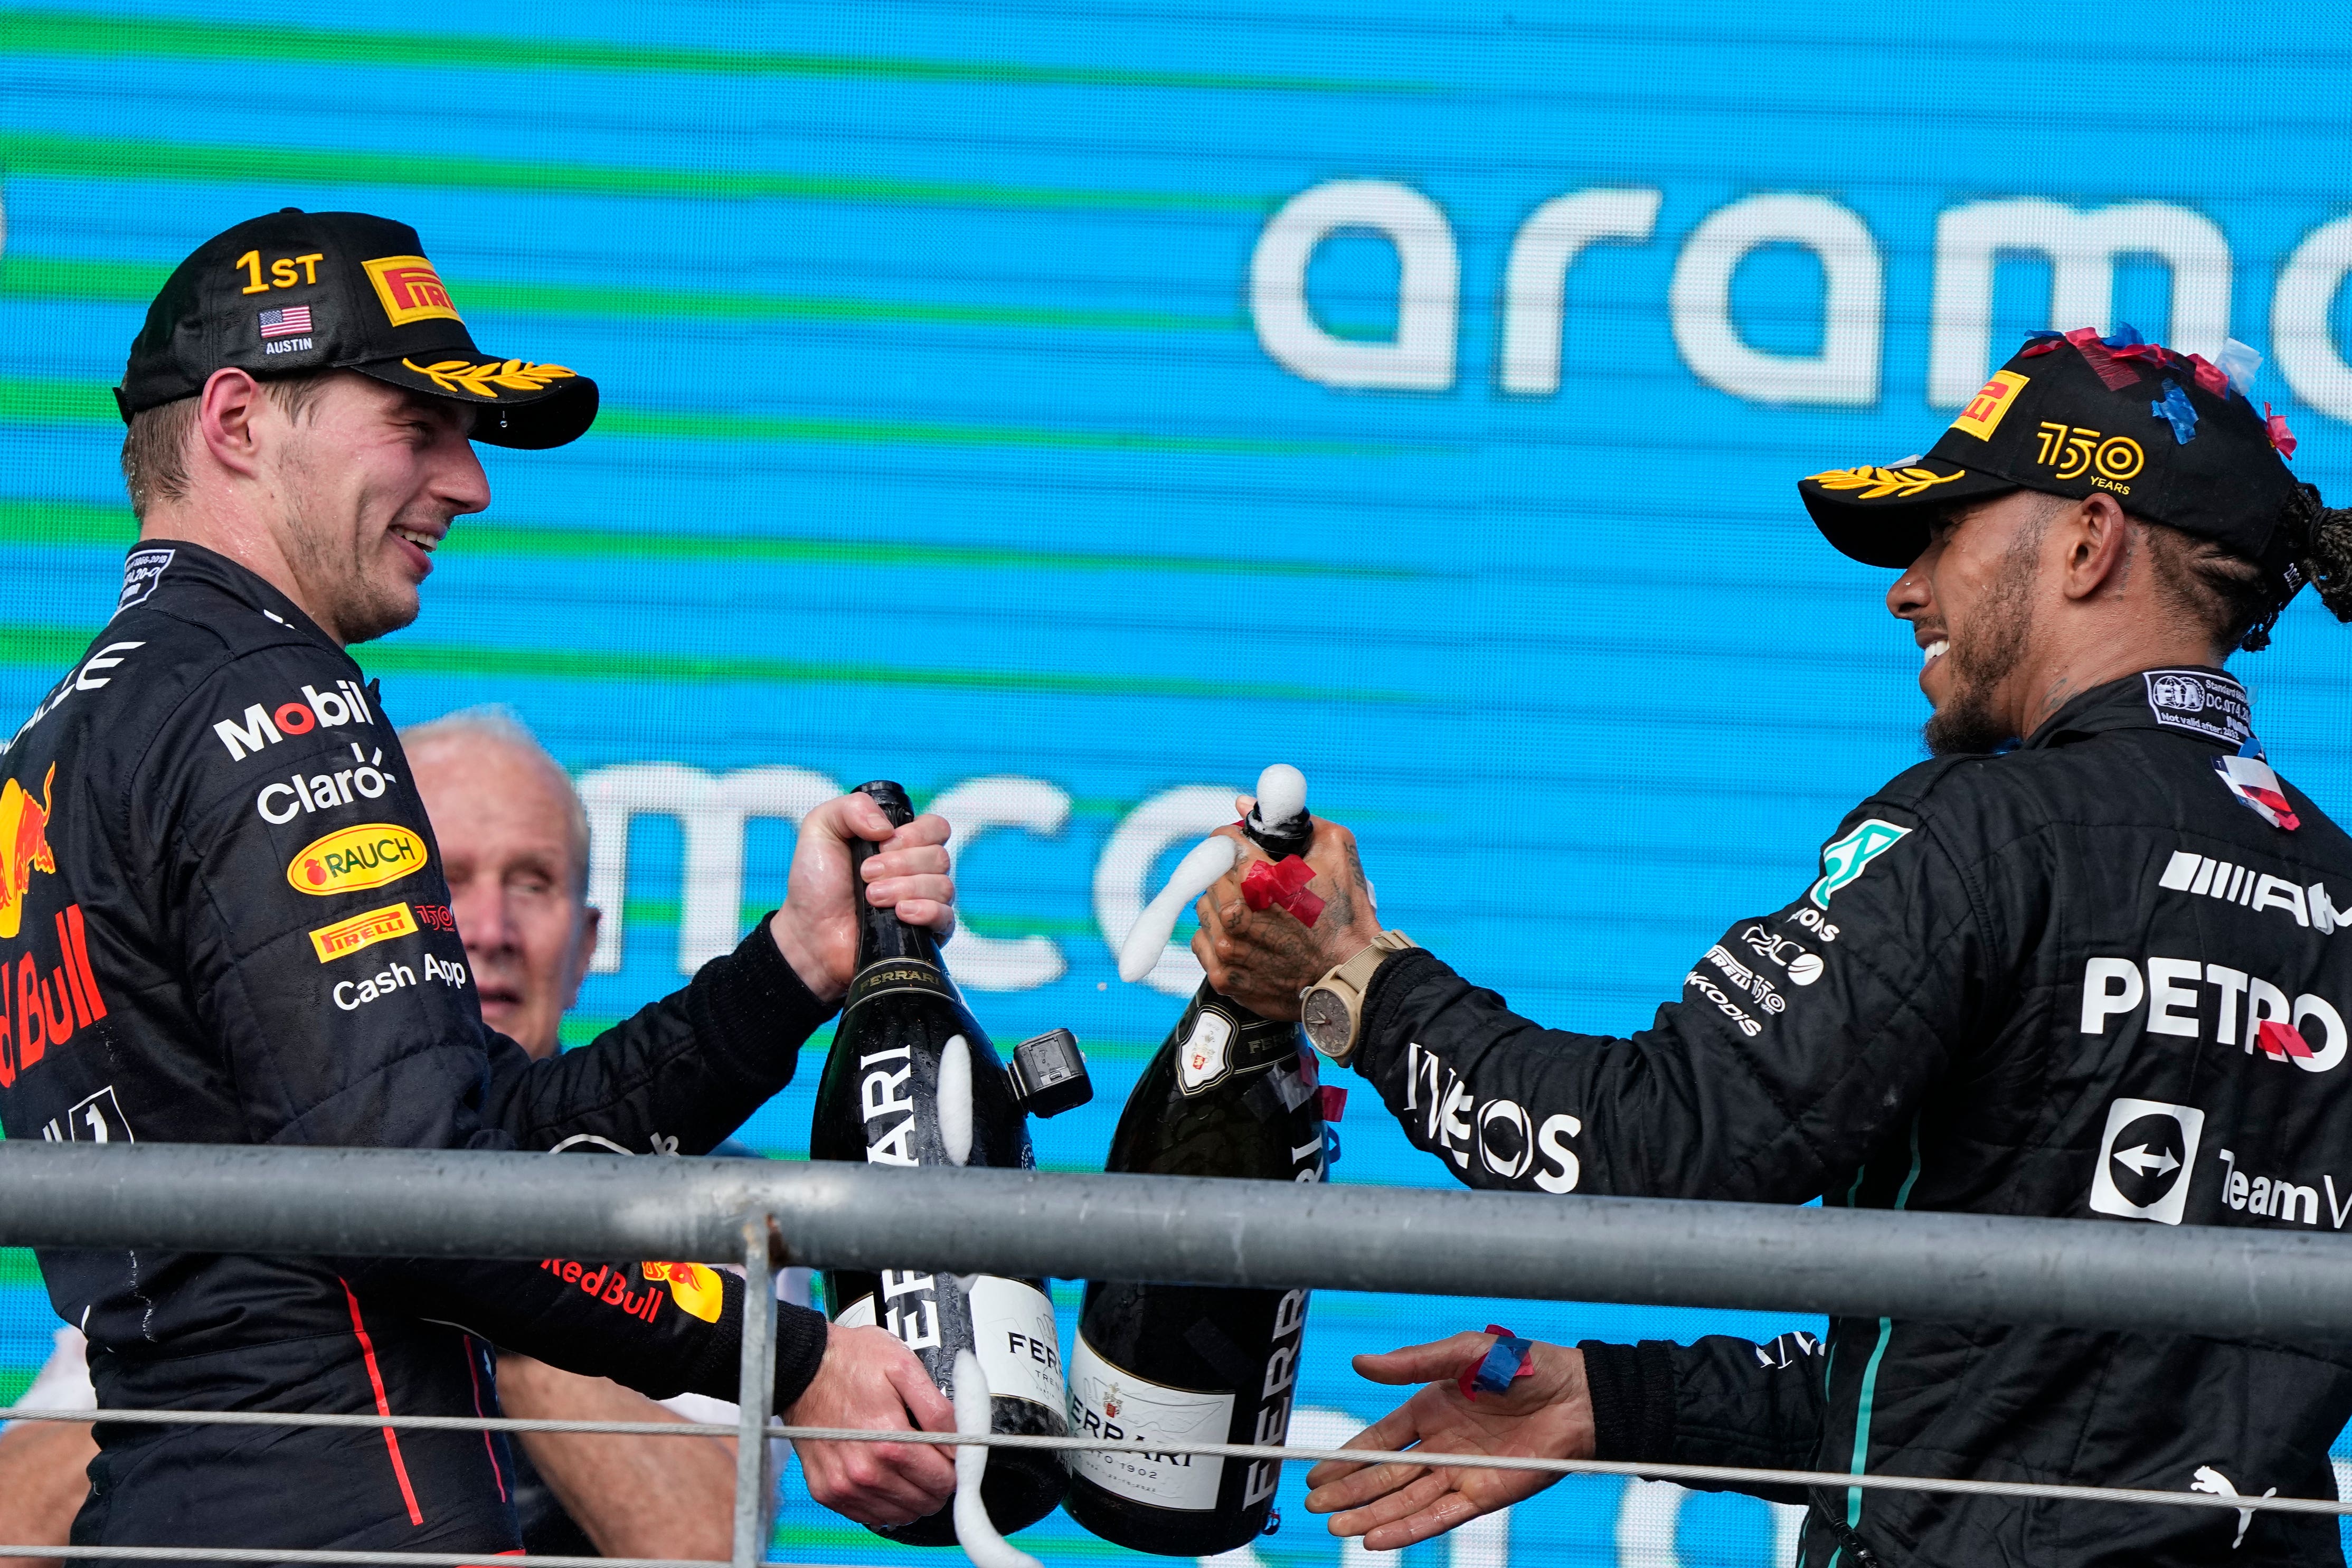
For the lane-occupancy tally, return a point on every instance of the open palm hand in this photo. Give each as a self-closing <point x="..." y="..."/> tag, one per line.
<point x="1546" y="1415"/>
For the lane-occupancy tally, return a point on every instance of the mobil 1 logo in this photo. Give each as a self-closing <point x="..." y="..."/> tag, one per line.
<point x="2145" y="1159"/>
<point x="96" y="1120"/>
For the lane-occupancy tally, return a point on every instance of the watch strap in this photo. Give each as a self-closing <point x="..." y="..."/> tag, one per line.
<point x="1349" y="979"/>
<point x="1356" y="972"/>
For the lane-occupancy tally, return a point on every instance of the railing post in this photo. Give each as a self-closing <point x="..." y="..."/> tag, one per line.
<point x="753" y="1392"/>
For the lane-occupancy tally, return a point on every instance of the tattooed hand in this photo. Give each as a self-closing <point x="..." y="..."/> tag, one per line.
<point x="1263" y="958"/>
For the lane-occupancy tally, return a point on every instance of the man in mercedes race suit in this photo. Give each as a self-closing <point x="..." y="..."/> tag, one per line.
<point x="2086" y="962"/>
<point x="225" y="920"/>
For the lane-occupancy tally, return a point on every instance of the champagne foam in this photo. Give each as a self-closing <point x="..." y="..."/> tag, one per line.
<point x="1281" y="795"/>
<point x="975" y="1416"/>
<point x="955" y="1098"/>
<point x="1209" y="860"/>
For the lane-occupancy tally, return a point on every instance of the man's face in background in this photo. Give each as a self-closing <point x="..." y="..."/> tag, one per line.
<point x="518" y="877"/>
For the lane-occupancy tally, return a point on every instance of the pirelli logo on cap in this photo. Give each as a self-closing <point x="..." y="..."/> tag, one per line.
<point x="346" y="937"/>
<point x="411" y="290"/>
<point x="1983" y="416"/>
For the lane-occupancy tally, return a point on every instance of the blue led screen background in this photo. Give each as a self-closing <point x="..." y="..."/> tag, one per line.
<point x="1068" y="410"/>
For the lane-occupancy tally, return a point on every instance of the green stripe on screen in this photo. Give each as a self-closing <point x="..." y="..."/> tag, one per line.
<point x="578" y="1029"/>
<point x="32" y="31"/>
<point x="43" y="648"/>
<point x="25" y="521"/>
<point x="629" y="664"/>
<point x="60" y="156"/>
<point x="53" y="647"/>
<point x="28" y="400"/>
<point x="24" y="400"/>
<point x="135" y="283"/>
<point x="643" y="913"/>
<point x="698" y="425"/>
<point x="536" y="541"/>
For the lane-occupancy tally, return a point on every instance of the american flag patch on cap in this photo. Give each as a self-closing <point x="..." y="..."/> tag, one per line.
<point x="287" y="323"/>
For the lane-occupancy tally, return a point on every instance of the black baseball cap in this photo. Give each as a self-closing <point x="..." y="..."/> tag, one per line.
<point x="2170" y="436"/>
<point x="297" y="291"/>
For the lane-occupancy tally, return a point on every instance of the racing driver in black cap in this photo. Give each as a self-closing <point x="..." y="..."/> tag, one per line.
<point x="2087" y="962"/>
<point x="224" y="919"/>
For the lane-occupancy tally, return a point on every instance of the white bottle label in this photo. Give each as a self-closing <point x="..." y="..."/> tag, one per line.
<point x="1012" y="1333"/>
<point x="1205" y="1057"/>
<point x="1105" y="1401"/>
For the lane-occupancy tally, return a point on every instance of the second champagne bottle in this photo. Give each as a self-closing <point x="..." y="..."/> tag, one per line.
<point x="1229" y="1093"/>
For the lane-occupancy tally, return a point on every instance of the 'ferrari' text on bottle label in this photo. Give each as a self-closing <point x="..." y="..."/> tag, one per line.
<point x="1013" y="1333"/>
<point x="1107" y="1403"/>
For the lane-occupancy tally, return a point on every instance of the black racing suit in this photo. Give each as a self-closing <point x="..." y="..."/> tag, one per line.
<point x="224" y="921"/>
<point x="2085" y="979"/>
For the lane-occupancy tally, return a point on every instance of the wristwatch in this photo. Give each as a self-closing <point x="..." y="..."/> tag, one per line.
<point x="1331" y="1008"/>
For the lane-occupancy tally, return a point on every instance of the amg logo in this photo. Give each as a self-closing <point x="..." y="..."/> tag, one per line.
<point x="2200" y="876"/>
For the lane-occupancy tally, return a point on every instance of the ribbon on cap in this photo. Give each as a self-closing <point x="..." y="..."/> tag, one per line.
<point x="2174" y="407"/>
<point x="2114" y="358"/>
<point x="2102" y="361"/>
<point x="2125" y="342"/>
<point x="2281" y="437"/>
<point x="2210" y="376"/>
<point x="1283" y="884"/>
<point x="2238" y="363"/>
<point x="1494" y="1372"/>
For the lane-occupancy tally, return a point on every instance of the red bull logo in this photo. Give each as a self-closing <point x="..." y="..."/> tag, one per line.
<point x="611" y="1286"/>
<point x="23" y="848"/>
<point x="696" y="1291"/>
<point x="47" y="1009"/>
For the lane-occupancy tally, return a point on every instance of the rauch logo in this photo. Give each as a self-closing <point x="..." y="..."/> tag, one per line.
<point x="345" y="861"/>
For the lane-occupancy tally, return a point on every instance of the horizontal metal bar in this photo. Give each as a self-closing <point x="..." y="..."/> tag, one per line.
<point x="2231" y="1282"/>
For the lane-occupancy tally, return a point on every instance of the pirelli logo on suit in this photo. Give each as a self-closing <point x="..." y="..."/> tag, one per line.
<point x="345" y="938"/>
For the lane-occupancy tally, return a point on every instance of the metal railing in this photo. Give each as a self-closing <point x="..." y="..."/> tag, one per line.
<point x="1969" y="1268"/>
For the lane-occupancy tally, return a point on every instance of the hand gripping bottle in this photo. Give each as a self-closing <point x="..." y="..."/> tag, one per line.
<point x="1228" y="1094"/>
<point x="913" y="1081"/>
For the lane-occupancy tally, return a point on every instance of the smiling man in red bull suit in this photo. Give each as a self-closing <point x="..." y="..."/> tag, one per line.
<point x="226" y="923"/>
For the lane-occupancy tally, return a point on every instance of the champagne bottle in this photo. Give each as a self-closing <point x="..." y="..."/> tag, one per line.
<point x="913" y="1080"/>
<point x="1230" y="1093"/>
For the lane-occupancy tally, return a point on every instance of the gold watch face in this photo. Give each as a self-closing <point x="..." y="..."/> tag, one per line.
<point x="1325" y="1016"/>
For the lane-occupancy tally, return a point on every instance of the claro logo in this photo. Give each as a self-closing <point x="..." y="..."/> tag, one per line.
<point x="368" y="856"/>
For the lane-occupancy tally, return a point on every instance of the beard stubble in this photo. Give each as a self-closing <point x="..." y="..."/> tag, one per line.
<point x="1993" y="647"/>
